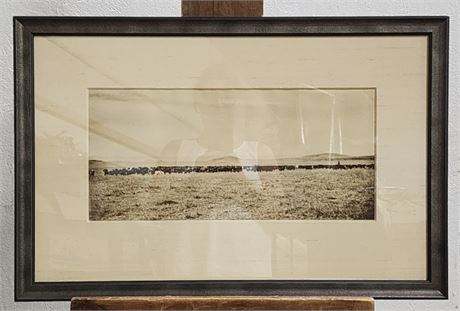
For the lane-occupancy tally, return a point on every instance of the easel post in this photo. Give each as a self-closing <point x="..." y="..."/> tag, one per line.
<point x="223" y="8"/>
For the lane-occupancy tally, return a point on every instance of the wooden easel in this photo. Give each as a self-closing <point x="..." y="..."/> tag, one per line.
<point x="224" y="303"/>
<point x="222" y="8"/>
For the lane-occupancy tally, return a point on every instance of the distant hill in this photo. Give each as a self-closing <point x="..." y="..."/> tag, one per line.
<point x="118" y="164"/>
<point x="321" y="158"/>
<point x="326" y="156"/>
<point x="227" y="160"/>
<point x="307" y="159"/>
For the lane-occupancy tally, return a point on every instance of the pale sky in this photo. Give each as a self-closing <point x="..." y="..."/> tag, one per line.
<point x="146" y="125"/>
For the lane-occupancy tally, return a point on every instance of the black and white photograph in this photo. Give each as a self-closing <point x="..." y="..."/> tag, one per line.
<point x="231" y="154"/>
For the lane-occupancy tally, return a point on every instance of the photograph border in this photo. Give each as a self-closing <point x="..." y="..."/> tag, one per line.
<point x="436" y="28"/>
<point x="355" y="88"/>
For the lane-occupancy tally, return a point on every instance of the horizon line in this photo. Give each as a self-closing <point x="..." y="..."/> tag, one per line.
<point x="220" y="157"/>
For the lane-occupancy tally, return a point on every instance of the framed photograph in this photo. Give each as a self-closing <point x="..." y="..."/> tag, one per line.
<point x="224" y="156"/>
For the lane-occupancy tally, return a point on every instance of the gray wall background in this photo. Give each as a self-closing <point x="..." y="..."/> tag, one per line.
<point x="10" y="8"/>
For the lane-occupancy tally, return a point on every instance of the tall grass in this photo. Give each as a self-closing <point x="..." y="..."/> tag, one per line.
<point x="276" y="195"/>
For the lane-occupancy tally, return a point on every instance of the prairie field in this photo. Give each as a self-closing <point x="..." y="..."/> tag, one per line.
<point x="274" y="195"/>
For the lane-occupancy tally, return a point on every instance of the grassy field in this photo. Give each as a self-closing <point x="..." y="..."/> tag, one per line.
<point x="299" y="194"/>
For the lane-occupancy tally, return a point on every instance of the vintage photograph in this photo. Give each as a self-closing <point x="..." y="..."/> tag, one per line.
<point x="231" y="154"/>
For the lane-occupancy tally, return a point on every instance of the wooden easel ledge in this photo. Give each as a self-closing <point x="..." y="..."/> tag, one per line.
<point x="223" y="303"/>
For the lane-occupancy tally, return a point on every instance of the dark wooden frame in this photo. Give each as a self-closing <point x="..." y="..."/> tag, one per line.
<point x="436" y="28"/>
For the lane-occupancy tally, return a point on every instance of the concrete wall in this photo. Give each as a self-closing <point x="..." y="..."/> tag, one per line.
<point x="10" y="8"/>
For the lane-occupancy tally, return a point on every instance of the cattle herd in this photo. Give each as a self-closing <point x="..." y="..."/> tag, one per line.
<point x="159" y="170"/>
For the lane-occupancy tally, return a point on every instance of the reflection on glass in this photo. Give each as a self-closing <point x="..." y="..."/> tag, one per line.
<point x="231" y="154"/>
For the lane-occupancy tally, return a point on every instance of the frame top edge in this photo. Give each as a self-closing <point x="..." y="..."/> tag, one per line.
<point x="249" y="18"/>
